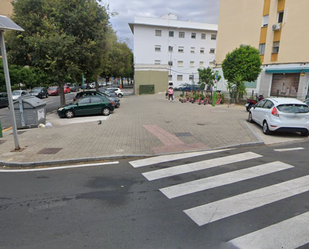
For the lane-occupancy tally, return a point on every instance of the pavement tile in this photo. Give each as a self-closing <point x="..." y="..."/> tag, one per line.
<point x="143" y="125"/>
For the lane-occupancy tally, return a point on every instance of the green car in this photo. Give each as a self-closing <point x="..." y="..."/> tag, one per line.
<point x="88" y="105"/>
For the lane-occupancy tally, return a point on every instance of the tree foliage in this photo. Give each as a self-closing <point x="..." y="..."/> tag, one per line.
<point x="63" y="37"/>
<point x="241" y="65"/>
<point x="244" y="61"/>
<point x="207" y="77"/>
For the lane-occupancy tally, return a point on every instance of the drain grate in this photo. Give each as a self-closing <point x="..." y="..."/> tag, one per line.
<point x="2" y="141"/>
<point x="183" y="134"/>
<point x="49" y="151"/>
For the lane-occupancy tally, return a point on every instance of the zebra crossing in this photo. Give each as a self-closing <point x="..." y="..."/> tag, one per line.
<point x="282" y="236"/>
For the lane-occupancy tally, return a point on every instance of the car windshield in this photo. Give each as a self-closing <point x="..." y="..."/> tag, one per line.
<point x="293" y="108"/>
<point x="35" y="90"/>
<point x="16" y="93"/>
<point x="52" y="88"/>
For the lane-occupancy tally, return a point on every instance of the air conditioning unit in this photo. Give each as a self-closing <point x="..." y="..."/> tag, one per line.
<point x="276" y="27"/>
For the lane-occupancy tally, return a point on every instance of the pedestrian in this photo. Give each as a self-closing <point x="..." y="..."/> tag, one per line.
<point x="170" y="94"/>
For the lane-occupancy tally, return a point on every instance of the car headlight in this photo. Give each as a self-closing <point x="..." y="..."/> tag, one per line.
<point x="60" y="109"/>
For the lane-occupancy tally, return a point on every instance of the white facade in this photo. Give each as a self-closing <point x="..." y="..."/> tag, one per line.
<point x="182" y="46"/>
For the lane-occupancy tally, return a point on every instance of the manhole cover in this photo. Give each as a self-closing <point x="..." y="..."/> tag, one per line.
<point x="183" y="134"/>
<point x="2" y="141"/>
<point x="49" y="151"/>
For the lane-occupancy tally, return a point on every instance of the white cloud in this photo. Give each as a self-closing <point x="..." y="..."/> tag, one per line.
<point x="206" y="11"/>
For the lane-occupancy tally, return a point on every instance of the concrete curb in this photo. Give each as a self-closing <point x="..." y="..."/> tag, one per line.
<point x="103" y="158"/>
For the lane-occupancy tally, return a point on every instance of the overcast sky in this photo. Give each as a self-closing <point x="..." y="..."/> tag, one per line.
<point x="206" y="11"/>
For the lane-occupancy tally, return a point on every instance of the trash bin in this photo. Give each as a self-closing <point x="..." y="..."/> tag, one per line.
<point x="29" y="112"/>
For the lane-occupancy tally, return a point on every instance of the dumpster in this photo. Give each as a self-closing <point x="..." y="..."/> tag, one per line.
<point x="30" y="111"/>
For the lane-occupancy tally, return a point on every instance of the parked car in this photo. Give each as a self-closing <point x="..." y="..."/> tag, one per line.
<point x="4" y="101"/>
<point x="87" y="105"/>
<point x="53" y="90"/>
<point x="39" y="92"/>
<point x="118" y="91"/>
<point x="19" y="93"/>
<point x="187" y="87"/>
<point x="281" y="114"/>
<point x="73" y="86"/>
<point x="114" y="99"/>
<point x="66" y="89"/>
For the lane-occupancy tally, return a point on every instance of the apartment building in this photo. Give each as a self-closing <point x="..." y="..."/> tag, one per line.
<point x="167" y="49"/>
<point x="280" y="30"/>
<point x="6" y="8"/>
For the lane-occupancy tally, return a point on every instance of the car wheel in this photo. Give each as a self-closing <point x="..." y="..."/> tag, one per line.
<point x="119" y="95"/>
<point x="266" y="130"/>
<point x="305" y="133"/>
<point x="105" y="111"/>
<point x="69" y="114"/>
<point x="250" y="118"/>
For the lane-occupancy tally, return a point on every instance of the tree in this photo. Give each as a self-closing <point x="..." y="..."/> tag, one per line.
<point x="65" y="38"/>
<point x="241" y="65"/>
<point x="207" y="77"/>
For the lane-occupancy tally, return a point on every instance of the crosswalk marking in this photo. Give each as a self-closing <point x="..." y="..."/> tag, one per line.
<point x="289" y="234"/>
<point x="223" y="179"/>
<point x="168" y="158"/>
<point x="289" y="149"/>
<point x="186" y="168"/>
<point x="214" y="211"/>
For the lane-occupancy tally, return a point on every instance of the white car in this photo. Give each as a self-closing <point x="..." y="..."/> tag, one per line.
<point x="118" y="91"/>
<point x="281" y="114"/>
<point x="19" y="93"/>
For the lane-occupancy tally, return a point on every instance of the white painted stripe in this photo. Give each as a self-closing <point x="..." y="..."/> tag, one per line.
<point x="289" y="149"/>
<point x="56" y="168"/>
<point x="223" y="179"/>
<point x="168" y="158"/>
<point x="289" y="234"/>
<point x="186" y="168"/>
<point x="214" y="211"/>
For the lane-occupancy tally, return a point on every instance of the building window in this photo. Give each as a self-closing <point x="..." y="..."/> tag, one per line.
<point x="179" y="77"/>
<point x="276" y="47"/>
<point x="202" y="50"/>
<point x="280" y="17"/>
<point x="213" y="36"/>
<point x="170" y="63"/>
<point x="191" y="63"/>
<point x="158" y="32"/>
<point x="201" y="63"/>
<point x="157" y="62"/>
<point x="171" y="33"/>
<point x="262" y="49"/>
<point x="203" y="36"/>
<point x="265" y="21"/>
<point x="180" y="49"/>
<point x="191" y="77"/>
<point x="212" y="51"/>
<point x="180" y="63"/>
<point x="181" y="34"/>
<point x="192" y="50"/>
<point x="193" y="35"/>
<point x="170" y="49"/>
<point x="158" y="48"/>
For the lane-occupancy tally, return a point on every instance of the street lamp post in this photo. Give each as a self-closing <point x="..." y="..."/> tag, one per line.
<point x="8" y="24"/>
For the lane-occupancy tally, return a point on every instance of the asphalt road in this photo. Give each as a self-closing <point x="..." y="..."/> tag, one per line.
<point x="252" y="197"/>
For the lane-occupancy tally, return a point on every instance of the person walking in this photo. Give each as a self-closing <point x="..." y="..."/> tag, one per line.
<point x="170" y="94"/>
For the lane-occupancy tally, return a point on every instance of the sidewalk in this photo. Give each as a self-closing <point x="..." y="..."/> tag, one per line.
<point x="144" y="125"/>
